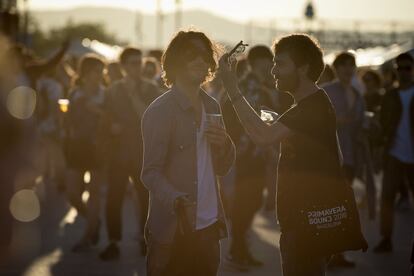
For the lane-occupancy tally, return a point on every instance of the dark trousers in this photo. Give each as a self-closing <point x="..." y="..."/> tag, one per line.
<point x="299" y="262"/>
<point x="248" y="198"/>
<point x="196" y="253"/>
<point x="395" y="175"/>
<point x="118" y="179"/>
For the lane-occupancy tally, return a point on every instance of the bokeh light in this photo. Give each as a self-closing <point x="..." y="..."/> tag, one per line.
<point x="87" y="177"/>
<point x="64" y="105"/>
<point x="21" y="102"/>
<point x="25" y="206"/>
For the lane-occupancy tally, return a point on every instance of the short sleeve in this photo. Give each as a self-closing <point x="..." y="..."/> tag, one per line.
<point x="309" y="117"/>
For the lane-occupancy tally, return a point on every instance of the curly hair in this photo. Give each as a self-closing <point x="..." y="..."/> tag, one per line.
<point x="303" y="50"/>
<point x="175" y="57"/>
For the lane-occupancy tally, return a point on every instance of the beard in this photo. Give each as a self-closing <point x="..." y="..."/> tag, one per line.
<point x="288" y="83"/>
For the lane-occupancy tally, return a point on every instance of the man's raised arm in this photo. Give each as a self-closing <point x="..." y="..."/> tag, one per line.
<point x="261" y="133"/>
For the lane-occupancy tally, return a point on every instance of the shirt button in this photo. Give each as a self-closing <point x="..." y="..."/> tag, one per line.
<point x="181" y="147"/>
<point x="196" y="182"/>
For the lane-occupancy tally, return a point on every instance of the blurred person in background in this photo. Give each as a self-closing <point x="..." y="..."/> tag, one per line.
<point x="216" y="90"/>
<point x="127" y="99"/>
<point x="349" y="107"/>
<point x="390" y="80"/>
<point x="15" y="144"/>
<point x="27" y="69"/>
<point x="373" y="90"/>
<point x="373" y="95"/>
<point x="389" y="76"/>
<point x="114" y="72"/>
<point x="151" y="69"/>
<point x="49" y="126"/>
<point x="397" y="121"/>
<point x="24" y="71"/>
<point x="327" y="76"/>
<point x="83" y="123"/>
<point x="242" y="67"/>
<point x="20" y="154"/>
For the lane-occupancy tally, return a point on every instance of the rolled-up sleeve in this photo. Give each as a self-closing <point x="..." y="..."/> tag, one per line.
<point x="156" y="131"/>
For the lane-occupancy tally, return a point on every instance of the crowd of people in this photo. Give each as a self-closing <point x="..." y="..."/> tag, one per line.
<point x="206" y="158"/>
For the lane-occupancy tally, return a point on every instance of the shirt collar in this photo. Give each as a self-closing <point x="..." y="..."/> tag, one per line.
<point x="184" y="102"/>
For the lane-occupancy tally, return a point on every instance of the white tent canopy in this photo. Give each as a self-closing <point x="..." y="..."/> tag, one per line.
<point x="373" y="57"/>
<point x="84" y="46"/>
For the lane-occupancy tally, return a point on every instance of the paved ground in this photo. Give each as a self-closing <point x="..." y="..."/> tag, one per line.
<point x="42" y="247"/>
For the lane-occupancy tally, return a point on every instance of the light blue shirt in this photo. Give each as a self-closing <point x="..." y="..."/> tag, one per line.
<point x="347" y="131"/>
<point x="403" y="148"/>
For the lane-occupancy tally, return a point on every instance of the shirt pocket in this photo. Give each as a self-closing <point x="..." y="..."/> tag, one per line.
<point x="184" y="143"/>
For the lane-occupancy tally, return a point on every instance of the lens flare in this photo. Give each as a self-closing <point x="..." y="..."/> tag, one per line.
<point x="87" y="177"/>
<point x="21" y="102"/>
<point x="25" y="206"/>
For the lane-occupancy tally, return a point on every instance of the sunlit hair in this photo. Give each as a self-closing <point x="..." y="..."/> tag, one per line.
<point x="174" y="58"/>
<point x="303" y="50"/>
<point x="343" y="58"/>
<point x="87" y="63"/>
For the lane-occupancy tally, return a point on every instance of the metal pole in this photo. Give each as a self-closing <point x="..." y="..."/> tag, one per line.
<point x="26" y="22"/>
<point x="178" y="14"/>
<point x="159" y="25"/>
<point x="138" y="27"/>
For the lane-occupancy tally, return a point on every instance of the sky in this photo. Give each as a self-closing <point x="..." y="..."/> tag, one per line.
<point x="245" y="10"/>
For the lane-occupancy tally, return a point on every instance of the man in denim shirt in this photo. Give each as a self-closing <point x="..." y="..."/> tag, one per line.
<point x="183" y="154"/>
<point x="349" y="108"/>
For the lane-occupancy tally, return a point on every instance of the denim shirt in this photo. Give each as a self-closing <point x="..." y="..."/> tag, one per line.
<point x="347" y="132"/>
<point x="169" y="168"/>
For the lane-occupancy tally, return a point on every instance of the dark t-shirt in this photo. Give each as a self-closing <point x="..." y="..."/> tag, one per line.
<point x="310" y="154"/>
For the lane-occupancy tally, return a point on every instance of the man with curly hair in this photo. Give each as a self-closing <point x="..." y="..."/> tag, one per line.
<point x="310" y="152"/>
<point x="184" y="152"/>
